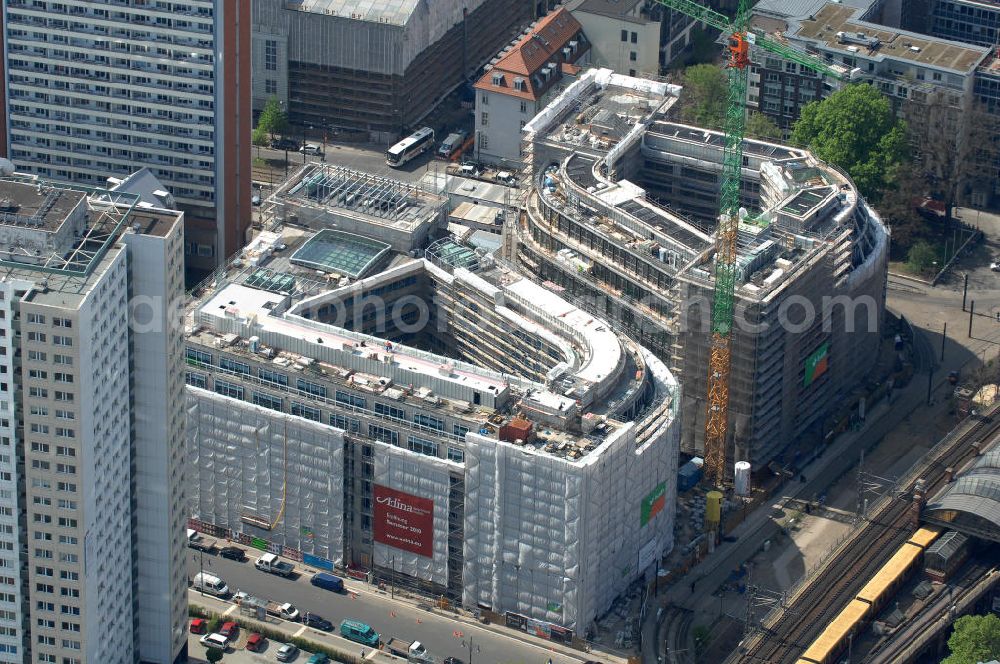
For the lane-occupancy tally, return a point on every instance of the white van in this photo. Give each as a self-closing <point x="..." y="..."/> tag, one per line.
<point x="451" y="143"/>
<point x="210" y="584"/>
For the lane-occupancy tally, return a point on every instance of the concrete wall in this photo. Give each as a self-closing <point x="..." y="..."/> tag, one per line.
<point x="609" y="50"/>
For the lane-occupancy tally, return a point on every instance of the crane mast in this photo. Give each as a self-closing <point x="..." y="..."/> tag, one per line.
<point x="738" y="42"/>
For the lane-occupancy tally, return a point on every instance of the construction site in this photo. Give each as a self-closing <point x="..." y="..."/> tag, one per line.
<point x="378" y="67"/>
<point x="621" y="217"/>
<point x="437" y="420"/>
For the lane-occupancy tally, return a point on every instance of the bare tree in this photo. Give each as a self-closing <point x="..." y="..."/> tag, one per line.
<point x="952" y="137"/>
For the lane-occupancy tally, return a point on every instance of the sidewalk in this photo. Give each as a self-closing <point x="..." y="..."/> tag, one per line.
<point x="711" y="572"/>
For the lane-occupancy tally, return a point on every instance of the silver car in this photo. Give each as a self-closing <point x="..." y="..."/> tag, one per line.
<point x="287" y="652"/>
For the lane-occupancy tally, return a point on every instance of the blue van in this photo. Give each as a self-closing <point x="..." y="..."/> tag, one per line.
<point x="360" y="632"/>
<point x="328" y="581"/>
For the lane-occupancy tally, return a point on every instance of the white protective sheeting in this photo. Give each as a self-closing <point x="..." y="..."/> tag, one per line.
<point x="558" y="540"/>
<point x="286" y="470"/>
<point x="425" y="477"/>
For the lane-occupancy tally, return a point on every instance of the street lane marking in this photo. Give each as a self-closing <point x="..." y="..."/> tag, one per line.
<point x="229" y="610"/>
<point x="301" y="630"/>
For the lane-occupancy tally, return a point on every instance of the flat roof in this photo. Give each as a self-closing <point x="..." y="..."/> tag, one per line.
<point x="379" y="11"/>
<point x="617" y="9"/>
<point x="236" y="300"/>
<point x="38" y="206"/>
<point x="832" y="18"/>
<point x="335" y="251"/>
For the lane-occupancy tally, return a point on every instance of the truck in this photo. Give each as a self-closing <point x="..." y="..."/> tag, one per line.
<point x="199" y="542"/>
<point x="283" y="610"/>
<point x="271" y="563"/>
<point x="413" y="651"/>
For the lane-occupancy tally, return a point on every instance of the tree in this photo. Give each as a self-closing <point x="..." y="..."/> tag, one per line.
<point x="273" y="119"/>
<point x="921" y="256"/>
<point x="761" y="126"/>
<point x="705" y="95"/>
<point x="259" y="136"/>
<point x="899" y="206"/>
<point x="213" y="655"/>
<point x="855" y="129"/>
<point x="974" y="639"/>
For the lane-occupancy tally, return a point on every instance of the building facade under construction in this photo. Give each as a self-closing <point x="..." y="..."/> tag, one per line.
<point x="436" y="420"/>
<point x="622" y="213"/>
<point x="376" y="66"/>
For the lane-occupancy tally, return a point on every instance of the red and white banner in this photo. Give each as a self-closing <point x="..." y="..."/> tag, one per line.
<point x="404" y="521"/>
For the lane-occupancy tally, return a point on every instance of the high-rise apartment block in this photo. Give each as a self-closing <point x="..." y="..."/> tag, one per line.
<point x="98" y="89"/>
<point x="91" y="427"/>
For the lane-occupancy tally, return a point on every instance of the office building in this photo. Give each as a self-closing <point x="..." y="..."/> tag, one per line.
<point x="622" y="214"/>
<point x="438" y="420"/>
<point x="970" y="21"/>
<point x="99" y="89"/>
<point x="930" y="81"/>
<point x="521" y="79"/>
<point x="378" y="67"/>
<point x="92" y="427"/>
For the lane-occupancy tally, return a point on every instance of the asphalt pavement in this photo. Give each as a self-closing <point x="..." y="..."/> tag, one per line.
<point x="365" y="157"/>
<point x="442" y="635"/>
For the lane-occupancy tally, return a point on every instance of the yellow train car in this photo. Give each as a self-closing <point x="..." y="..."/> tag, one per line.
<point x="832" y="640"/>
<point x="925" y="536"/>
<point x="891" y="575"/>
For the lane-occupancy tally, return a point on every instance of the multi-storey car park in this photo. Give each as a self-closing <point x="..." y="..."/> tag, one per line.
<point x="621" y="215"/>
<point x="435" y="419"/>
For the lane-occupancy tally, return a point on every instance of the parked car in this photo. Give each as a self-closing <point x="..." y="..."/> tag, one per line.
<point x="317" y="621"/>
<point x="240" y="596"/>
<point x="327" y="581"/>
<point x="256" y="642"/>
<point x="287" y="652"/>
<point x="229" y="629"/>
<point x="284" y="144"/>
<point x="233" y="553"/>
<point x="318" y="658"/>
<point x="995" y="267"/>
<point x="356" y="630"/>
<point x="453" y="660"/>
<point x="215" y="640"/>
<point x="310" y="148"/>
<point x="198" y="625"/>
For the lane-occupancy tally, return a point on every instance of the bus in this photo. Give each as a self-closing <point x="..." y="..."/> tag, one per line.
<point x="410" y="147"/>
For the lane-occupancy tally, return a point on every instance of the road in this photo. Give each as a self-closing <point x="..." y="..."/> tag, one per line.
<point x="366" y="158"/>
<point x="443" y="636"/>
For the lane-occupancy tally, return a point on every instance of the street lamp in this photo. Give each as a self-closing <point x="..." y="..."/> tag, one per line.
<point x="471" y="646"/>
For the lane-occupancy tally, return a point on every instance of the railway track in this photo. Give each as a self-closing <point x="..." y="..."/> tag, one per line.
<point x="922" y="625"/>
<point x="788" y="633"/>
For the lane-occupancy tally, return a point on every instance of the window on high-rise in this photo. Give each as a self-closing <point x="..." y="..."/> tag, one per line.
<point x="270" y="55"/>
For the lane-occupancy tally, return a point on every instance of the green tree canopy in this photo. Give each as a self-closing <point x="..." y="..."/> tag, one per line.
<point x="705" y="95"/>
<point x="921" y="256"/>
<point x="272" y="119"/>
<point x="974" y="639"/>
<point x="259" y="136"/>
<point x="855" y="129"/>
<point x="213" y="655"/>
<point x="761" y="126"/>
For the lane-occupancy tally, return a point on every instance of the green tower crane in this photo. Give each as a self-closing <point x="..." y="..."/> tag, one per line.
<point x="740" y="38"/>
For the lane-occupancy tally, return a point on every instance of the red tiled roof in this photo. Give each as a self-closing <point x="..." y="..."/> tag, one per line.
<point x="531" y="53"/>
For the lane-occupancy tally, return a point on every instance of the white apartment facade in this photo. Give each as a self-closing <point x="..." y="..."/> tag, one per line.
<point x="98" y="89"/>
<point x="624" y="36"/>
<point x="520" y="82"/>
<point x="82" y="368"/>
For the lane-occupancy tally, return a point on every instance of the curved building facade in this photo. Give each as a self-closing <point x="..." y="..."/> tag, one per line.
<point x="443" y="422"/>
<point x="621" y="215"/>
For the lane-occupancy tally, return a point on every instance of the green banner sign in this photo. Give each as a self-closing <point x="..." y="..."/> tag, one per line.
<point x="816" y="364"/>
<point x="653" y="503"/>
<point x="258" y="543"/>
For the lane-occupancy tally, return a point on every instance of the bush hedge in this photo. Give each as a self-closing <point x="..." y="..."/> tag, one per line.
<point x="215" y="621"/>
